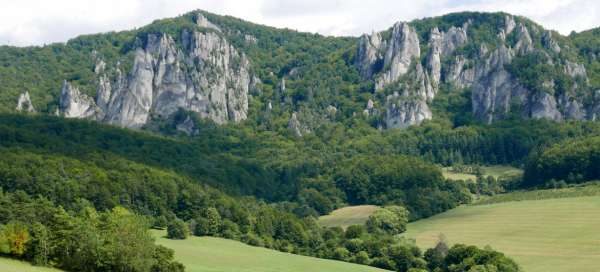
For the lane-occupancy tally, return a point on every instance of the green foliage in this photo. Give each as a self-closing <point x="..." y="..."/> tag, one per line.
<point x="534" y="71"/>
<point x="572" y="161"/>
<point x="391" y="220"/>
<point x="401" y="180"/>
<point x="16" y="236"/>
<point x="471" y="258"/>
<point x="177" y="229"/>
<point x="86" y="240"/>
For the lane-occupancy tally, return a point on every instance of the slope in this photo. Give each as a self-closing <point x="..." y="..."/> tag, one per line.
<point x="208" y="254"/>
<point x="10" y="265"/>
<point x="545" y="235"/>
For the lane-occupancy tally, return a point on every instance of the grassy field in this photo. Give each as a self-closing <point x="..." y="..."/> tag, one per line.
<point x="494" y="171"/>
<point x="10" y="265"/>
<point x="588" y="189"/>
<point x="207" y="254"/>
<point x="347" y="216"/>
<point x="448" y="174"/>
<point x="551" y="235"/>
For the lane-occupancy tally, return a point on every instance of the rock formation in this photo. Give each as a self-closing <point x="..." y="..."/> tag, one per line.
<point x="402" y="49"/>
<point x="495" y="92"/>
<point x="206" y="75"/>
<point x="403" y="111"/>
<point x="74" y="104"/>
<point x="24" y="103"/>
<point x="295" y="126"/>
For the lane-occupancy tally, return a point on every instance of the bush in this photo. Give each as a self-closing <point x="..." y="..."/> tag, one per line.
<point x="177" y="229"/>
<point x="391" y="220"/>
<point x="160" y="223"/>
<point x="354" y="231"/>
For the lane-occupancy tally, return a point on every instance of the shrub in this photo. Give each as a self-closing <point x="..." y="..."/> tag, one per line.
<point x="177" y="229"/>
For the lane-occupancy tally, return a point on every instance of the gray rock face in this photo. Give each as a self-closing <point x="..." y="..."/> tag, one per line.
<point x="573" y="109"/>
<point x="24" y="103"/>
<point x="205" y="75"/>
<point x="549" y="42"/>
<point x="295" y="126"/>
<point x="575" y="69"/>
<point x="494" y="88"/>
<point x="458" y="75"/>
<point x="434" y="63"/>
<point x="524" y="42"/>
<point x="543" y="106"/>
<point x="74" y="104"/>
<point x="368" y="54"/>
<point x="494" y="91"/>
<point x="402" y="49"/>
<point x="201" y="21"/>
<point x="442" y="45"/>
<point x="509" y="24"/>
<point x="403" y="111"/>
<point x="396" y="56"/>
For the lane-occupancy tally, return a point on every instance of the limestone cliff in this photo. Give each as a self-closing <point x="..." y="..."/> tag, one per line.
<point x="202" y="73"/>
<point x="395" y="66"/>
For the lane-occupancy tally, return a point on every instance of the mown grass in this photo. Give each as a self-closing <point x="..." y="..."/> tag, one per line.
<point x="589" y="189"/>
<point x="208" y="254"/>
<point x="501" y="170"/>
<point x="495" y="171"/>
<point x="347" y="216"/>
<point x="549" y="235"/>
<point x="10" y="265"/>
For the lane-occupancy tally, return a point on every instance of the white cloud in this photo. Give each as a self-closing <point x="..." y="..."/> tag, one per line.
<point x="34" y="22"/>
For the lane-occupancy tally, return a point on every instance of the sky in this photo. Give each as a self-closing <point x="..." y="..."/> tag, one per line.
<point x="38" y="22"/>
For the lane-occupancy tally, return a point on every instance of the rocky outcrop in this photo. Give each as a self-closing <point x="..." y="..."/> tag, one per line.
<point x="575" y="69"/>
<point x="24" y="103"/>
<point x="74" y="104"/>
<point x="403" y="47"/>
<point x="442" y="45"/>
<point x="395" y="55"/>
<point x="434" y="62"/>
<point x="295" y="126"/>
<point x="509" y="24"/>
<point x="404" y="111"/>
<point x="204" y="74"/>
<point x="369" y="54"/>
<point x="549" y="43"/>
<point x="396" y="59"/>
<point x="458" y="74"/>
<point x="524" y="42"/>
<point x="495" y="92"/>
<point x="495" y="88"/>
<point x="370" y="109"/>
<point x="201" y="21"/>
<point x="543" y="106"/>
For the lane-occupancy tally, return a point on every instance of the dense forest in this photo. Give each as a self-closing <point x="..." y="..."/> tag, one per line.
<point x="568" y="162"/>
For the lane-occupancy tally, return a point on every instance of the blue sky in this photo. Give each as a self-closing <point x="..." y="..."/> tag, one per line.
<point x="36" y="22"/>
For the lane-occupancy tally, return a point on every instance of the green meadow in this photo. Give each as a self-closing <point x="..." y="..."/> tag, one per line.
<point x="209" y="254"/>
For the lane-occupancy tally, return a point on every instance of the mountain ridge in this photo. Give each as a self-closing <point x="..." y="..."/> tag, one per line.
<point x="444" y="53"/>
